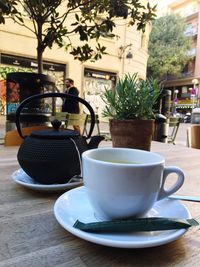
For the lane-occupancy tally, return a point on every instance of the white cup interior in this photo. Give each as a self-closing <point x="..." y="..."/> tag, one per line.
<point x="123" y="156"/>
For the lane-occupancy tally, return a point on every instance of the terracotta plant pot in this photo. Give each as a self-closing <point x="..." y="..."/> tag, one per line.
<point x="132" y="133"/>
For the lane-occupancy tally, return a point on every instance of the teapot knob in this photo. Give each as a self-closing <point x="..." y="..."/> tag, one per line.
<point x="56" y="124"/>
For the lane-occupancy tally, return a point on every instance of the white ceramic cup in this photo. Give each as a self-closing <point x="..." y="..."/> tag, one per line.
<point x="130" y="189"/>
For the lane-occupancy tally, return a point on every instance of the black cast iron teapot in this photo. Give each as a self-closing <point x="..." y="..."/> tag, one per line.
<point x="54" y="156"/>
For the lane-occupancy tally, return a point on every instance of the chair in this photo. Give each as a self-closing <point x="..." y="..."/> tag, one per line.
<point x="12" y="138"/>
<point x="193" y="136"/>
<point x="85" y="130"/>
<point x="105" y="134"/>
<point x="69" y="119"/>
<point x="174" y="125"/>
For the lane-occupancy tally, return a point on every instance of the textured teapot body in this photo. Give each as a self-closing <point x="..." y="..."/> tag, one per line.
<point x="51" y="161"/>
<point x="54" y="156"/>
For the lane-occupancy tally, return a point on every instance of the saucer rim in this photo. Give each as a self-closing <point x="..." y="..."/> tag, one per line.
<point x="101" y="238"/>
<point x="42" y="187"/>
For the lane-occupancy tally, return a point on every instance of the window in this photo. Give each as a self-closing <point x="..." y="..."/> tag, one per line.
<point x="56" y="70"/>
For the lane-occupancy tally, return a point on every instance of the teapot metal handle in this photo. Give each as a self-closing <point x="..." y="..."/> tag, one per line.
<point x="62" y="95"/>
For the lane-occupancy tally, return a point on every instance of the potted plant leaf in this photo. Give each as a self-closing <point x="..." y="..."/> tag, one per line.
<point x="130" y="107"/>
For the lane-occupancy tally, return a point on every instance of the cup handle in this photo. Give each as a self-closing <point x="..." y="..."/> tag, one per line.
<point x="168" y="170"/>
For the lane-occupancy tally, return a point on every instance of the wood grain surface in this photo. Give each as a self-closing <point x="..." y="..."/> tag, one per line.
<point x="30" y="235"/>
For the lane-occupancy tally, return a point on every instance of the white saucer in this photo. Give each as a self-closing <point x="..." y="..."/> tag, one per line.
<point x="74" y="205"/>
<point x="20" y="177"/>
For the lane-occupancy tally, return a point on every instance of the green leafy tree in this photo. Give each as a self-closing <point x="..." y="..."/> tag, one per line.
<point x="53" y="20"/>
<point x="7" y="7"/>
<point x="168" y="47"/>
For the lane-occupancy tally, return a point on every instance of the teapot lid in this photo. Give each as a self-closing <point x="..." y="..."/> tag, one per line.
<point x="56" y="133"/>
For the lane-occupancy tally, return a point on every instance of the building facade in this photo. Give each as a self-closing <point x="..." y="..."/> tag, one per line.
<point x="185" y="85"/>
<point x="18" y="51"/>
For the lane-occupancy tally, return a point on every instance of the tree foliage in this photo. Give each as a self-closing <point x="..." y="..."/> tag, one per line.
<point x="91" y="19"/>
<point x="7" y="7"/>
<point x="168" y="46"/>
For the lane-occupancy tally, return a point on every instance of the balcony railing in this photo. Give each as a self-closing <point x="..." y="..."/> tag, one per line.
<point x="180" y="75"/>
<point x="192" y="52"/>
<point x="191" y="31"/>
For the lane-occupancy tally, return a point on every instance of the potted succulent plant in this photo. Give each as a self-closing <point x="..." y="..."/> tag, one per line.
<point x="130" y="107"/>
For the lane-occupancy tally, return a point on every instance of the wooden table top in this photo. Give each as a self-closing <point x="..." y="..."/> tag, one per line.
<point x="31" y="236"/>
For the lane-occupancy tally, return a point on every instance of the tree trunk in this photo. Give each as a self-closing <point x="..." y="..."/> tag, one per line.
<point x="40" y="59"/>
<point x="40" y="49"/>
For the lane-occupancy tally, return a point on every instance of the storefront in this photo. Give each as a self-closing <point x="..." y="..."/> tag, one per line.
<point x="184" y="97"/>
<point x="16" y="63"/>
<point x="11" y="63"/>
<point x="95" y="84"/>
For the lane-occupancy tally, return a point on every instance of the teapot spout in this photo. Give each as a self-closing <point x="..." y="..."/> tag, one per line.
<point x="94" y="141"/>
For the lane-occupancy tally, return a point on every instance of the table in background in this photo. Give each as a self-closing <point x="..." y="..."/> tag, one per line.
<point x="31" y="236"/>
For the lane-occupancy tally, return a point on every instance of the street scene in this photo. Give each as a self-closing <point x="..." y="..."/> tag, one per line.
<point x="99" y="133"/>
<point x="181" y="137"/>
